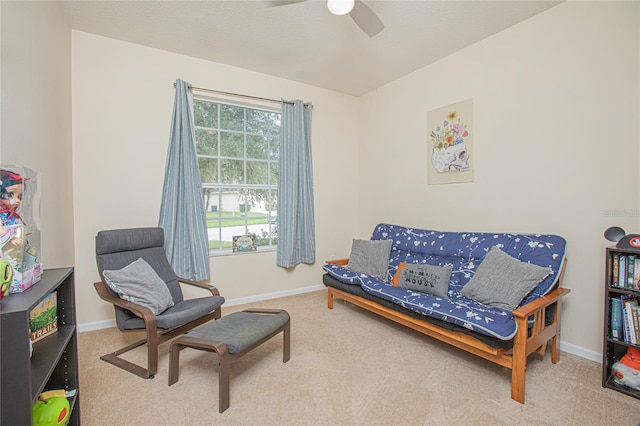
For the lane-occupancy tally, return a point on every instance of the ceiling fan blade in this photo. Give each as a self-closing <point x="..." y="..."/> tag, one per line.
<point x="273" y="3"/>
<point x="366" y="19"/>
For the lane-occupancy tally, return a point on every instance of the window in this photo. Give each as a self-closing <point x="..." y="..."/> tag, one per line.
<point x="238" y="156"/>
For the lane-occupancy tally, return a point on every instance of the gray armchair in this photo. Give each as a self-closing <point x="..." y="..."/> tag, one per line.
<point x="118" y="248"/>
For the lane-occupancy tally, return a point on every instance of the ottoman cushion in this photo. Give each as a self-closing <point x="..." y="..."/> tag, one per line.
<point x="240" y="330"/>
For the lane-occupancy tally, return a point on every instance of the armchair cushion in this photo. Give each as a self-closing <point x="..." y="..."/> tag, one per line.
<point x="503" y="281"/>
<point x="138" y="283"/>
<point x="181" y="313"/>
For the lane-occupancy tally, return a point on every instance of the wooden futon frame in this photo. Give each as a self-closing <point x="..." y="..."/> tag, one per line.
<point x="526" y="341"/>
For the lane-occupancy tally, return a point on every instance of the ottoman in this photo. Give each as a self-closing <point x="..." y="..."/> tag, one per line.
<point x="229" y="338"/>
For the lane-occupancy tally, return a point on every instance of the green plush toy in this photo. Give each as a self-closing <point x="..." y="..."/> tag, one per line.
<point x="6" y="275"/>
<point x="52" y="411"/>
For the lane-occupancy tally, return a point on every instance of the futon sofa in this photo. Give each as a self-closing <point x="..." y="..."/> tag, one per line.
<point x="497" y="316"/>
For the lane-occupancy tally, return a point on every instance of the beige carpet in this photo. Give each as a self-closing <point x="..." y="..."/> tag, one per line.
<point x="347" y="367"/>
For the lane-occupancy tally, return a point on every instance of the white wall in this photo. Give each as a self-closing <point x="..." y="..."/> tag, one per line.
<point x="556" y="142"/>
<point x="122" y="104"/>
<point x="36" y="114"/>
<point x="556" y="108"/>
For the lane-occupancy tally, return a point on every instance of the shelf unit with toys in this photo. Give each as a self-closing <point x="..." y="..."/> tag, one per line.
<point x="53" y="364"/>
<point x="621" y="330"/>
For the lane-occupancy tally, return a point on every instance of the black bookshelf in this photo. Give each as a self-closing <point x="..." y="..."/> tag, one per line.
<point x="54" y="363"/>
<point x="613" y="348"/>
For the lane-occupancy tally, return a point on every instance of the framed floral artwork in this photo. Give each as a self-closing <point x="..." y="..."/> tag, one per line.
<point x="450" y="143"/>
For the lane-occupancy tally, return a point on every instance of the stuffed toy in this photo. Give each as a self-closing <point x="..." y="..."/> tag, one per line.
<point x="51" y="409"/>
<point x="627" y="371"/>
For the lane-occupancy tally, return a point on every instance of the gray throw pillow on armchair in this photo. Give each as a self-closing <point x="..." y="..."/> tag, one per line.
<point x="502" y="281"/>
<point x="370" y="257"/>
<point x="138" y="283"/>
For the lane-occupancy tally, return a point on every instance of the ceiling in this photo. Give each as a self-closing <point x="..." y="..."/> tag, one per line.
<point x="304" y="42"/>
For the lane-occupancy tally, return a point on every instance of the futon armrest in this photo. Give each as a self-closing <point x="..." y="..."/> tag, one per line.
<point x="340" y="262"/>
<point x="530" y="308"/>
<point x="541" y="302"/>
<point x="214" y="291"/>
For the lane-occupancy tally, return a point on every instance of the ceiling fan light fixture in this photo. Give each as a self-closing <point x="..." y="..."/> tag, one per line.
<point x="340" y="7"/>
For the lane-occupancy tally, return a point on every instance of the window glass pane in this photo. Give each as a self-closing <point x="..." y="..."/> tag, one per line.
<point x="271" y="204"/>
<point x="232" y="171"/>
<point x="244" y="202"/>
<point x="208" y="169"/>
<point x="231" y="117"/>
<point x="267" y="235"/>
<point x="257" y="147"/>
<point x="257" y="172"/>
<point x="273" y="175"/>
<point x="205" y="114"/>
<point x="206" y="142"/>
<point x="259" y="220"/>
<point x="227" y="210"/>
<point x="231" y="145"/>
<point x="274" y="124"/>
<point x="212" y="203"/>
<point x="274" y="148"/>
<point x="258" y="122"/>
<point x="233" y="201"/>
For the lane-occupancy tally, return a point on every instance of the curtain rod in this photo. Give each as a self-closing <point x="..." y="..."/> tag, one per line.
<point x="238" y="95"/>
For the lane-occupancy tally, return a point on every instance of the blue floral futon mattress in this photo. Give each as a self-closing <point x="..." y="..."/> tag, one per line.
<point x="464" y="251"/>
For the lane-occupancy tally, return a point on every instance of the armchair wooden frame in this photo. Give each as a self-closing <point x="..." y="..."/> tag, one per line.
<point x="154" y="335"/>
<point x="526" y="341"/>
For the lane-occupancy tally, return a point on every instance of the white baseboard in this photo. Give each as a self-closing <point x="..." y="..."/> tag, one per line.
<point x="98" y="325"/>
<point x="581" y="352"/>
<point x="274" y="295"/>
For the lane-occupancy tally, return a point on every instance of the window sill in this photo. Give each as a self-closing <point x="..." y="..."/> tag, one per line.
<point x="230" y="252"/>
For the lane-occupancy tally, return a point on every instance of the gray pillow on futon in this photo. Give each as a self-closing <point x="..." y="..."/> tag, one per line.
<point x="138" y="283"/>
<point x="426" y="278"/>
<point x="502" y="281"/>
<point x="370" y="257"/>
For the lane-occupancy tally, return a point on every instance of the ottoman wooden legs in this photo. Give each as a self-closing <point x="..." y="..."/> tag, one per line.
<point x="231" y="337"/>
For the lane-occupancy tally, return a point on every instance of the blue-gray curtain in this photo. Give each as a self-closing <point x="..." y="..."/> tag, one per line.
<point x="296" y="223"/>
<point x="182" y="212"/>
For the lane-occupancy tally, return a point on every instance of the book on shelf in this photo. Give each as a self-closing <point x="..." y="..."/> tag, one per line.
<point x="625" y="271"/>
<point x="625" y="320"/>
<point x="622" y="270"/>
<point x="616" y="318"/>
<point x="630" y="323"/>
<point x="628" y="311"/>
<point x="636" y="321"/>
<point x="43" y="319"/>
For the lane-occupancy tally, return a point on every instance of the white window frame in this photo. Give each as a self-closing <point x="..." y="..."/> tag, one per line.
<point x="271" y="213"/>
